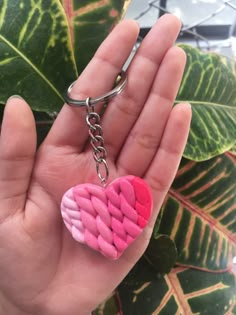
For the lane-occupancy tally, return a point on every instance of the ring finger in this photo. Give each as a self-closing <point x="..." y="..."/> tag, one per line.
<point x="144" y="138"/>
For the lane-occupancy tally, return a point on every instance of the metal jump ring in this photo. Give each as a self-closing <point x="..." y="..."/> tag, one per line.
<point x="120" y="84"/>
<point x="103" y="178"/>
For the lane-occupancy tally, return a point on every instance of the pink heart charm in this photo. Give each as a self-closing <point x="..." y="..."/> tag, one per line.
<point x="107" y="219"/>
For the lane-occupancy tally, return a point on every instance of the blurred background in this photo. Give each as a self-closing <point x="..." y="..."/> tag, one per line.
<point x="207" y="24"/>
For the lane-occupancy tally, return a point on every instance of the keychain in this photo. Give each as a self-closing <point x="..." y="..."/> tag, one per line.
<point x="107" y="218"/>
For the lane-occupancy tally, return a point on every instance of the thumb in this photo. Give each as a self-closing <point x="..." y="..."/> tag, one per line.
<point x="17" y="152"/>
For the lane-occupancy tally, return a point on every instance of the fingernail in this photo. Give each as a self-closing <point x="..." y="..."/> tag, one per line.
<point x="189" y="105"/>
<point x="15" y="96"/>
<point x="186" y="104"/>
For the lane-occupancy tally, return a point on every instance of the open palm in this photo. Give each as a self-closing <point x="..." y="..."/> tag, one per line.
<point x="43" y="270"/>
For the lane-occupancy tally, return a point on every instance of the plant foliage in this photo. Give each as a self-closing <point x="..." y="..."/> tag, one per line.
<point x="209" y="84"/>
<point x="44" y="45"/>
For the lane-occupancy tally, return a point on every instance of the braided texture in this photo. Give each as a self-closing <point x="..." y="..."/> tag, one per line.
<point x="107" y="220"/>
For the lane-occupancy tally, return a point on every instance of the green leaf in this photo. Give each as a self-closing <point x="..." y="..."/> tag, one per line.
<point x="183" y="291"/>
<point x="209" y="84"/>
<point x="90" y="22"/>
<point x="161" y="254"/>
<point x="229" y="62"/>
<point x="110" y="306"/>
<point x="234" y="311"/>
<point x="200" y="213"/>
<point x="233" y="150"/>
<point x="36" y="58"/>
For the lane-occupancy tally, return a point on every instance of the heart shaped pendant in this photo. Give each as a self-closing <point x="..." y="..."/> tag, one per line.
<point x="108" y="219"/>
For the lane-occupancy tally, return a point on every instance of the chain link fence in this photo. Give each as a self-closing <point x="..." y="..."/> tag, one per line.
<point x="206" y="24"/>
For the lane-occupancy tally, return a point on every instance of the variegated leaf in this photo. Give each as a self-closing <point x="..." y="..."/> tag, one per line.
<point x="111" y="306"/>
<point x="184" y="291"/>
<point x="200" y="213"/>
<point x="90" y="22"/>
<point x="233" y="311"/>
<point x="229" y="62"/>
<point x="161" y="253"/>
<point x="233" y="150"/>
<point x="36" y="58"/>
<point x="209" y="84"/>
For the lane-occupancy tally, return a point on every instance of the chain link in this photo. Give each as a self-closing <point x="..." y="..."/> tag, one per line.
<point x="97" y="142"/>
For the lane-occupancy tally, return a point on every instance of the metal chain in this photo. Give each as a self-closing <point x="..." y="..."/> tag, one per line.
<point x="97" y="142"/>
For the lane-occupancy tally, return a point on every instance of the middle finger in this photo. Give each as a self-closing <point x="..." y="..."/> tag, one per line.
<point x="124" y="110"/>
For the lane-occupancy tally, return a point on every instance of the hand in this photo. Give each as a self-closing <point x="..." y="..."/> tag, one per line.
<point x="43" y="270"/>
